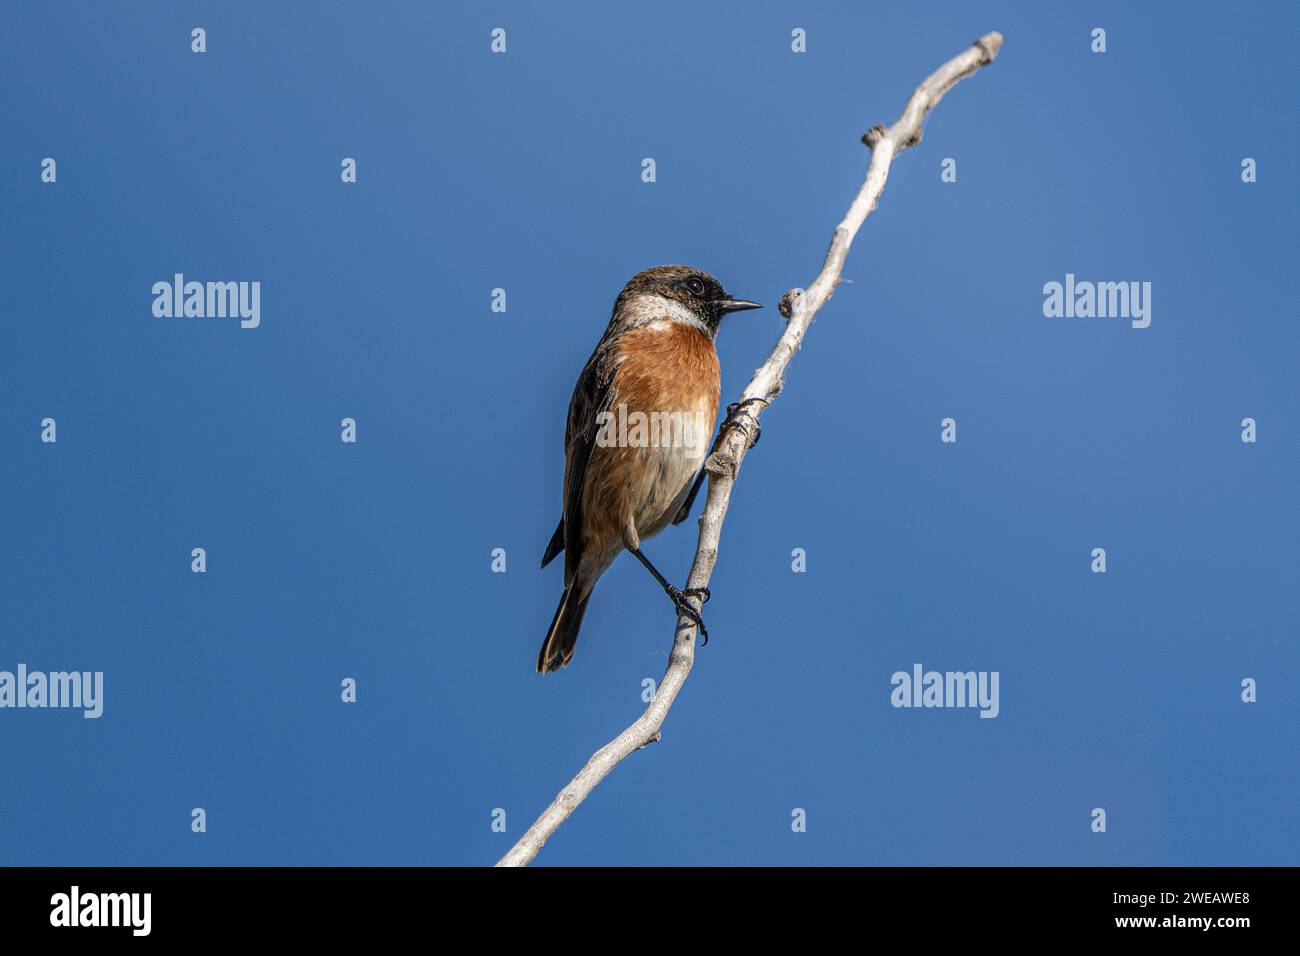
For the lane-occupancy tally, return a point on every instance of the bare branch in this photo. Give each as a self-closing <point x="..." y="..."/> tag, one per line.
<point x="733" y="442"/>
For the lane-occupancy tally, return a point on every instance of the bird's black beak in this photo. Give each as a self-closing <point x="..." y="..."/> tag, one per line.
<point x="736" y="305"/>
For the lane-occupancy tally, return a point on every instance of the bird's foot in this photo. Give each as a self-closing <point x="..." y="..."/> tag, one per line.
<point x="702" y="593"/>
<point x="737" y="419"/>
<point x="684" y="606"/>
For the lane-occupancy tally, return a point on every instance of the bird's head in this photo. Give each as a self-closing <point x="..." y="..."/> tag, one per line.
<point x="680" y="294"/>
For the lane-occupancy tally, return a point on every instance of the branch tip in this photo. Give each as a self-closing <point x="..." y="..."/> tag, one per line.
<point x="989" y="44"/>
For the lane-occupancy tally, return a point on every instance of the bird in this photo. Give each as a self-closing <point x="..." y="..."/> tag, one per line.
<point x="624" y="481"/>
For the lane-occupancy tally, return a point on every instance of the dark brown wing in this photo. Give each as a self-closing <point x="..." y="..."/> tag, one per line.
<point x="556" y="545"/>
<point x="591" y="396"/>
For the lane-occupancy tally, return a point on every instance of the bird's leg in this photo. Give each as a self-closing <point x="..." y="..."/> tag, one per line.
<point x="736" y="419"/>
<point x="684" y="511"/>
<point x="678" y="596"/>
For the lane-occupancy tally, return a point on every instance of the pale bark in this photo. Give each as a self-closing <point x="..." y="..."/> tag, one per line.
<point x="799" y="307"/>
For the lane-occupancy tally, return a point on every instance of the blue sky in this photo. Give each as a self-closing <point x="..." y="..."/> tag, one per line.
<point x="522" y="171"/>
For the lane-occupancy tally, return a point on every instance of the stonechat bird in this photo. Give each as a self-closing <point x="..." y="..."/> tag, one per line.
<point x="640" y="423"/>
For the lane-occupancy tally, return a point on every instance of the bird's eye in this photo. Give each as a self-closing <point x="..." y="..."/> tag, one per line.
<point x="695" y="286"/>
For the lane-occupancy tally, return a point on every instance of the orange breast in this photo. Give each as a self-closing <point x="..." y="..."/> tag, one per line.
<point x="665" y="369"/>
<point x="668" y="370"/>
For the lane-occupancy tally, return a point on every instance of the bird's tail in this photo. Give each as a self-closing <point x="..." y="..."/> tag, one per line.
<point x="557" y="649"/>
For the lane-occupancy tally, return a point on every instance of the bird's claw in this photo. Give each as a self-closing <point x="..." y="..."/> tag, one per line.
<point x="685" y="607"/>
<point x="734" y="419"/>
<point x="702" y="593"/>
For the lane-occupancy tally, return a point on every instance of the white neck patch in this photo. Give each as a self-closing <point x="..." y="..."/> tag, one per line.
<point x="655" y="311"/>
